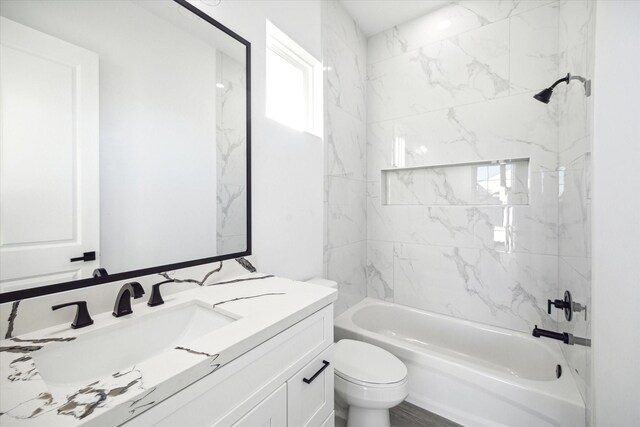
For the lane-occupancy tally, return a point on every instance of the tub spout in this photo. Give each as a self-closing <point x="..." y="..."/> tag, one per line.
<point x="561" y="336"/>
<point x="565" y="337"/>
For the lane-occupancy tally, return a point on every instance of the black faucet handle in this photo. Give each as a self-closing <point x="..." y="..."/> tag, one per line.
<point x="138" y="290"/>
<point x="558" y="303"/>
<point x="82" y="314"/>
<point x="565" y="305"/>
<point x="156" y="297"/>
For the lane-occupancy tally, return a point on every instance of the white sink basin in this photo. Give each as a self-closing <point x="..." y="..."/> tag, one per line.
<point x="104" y="351"/>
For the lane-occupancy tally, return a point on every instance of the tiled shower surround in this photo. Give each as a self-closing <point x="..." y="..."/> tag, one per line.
<point x="345" y="154"/>
<point x="453" y="88"/>
<point x="231" y="153"/>
<point x="456" y="86"/>
<point x="577" y="26"/>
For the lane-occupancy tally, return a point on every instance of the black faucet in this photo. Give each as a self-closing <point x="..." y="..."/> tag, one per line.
<point x="82" y="314"/>
<point x="123" y="300"/>
<point x="156" y="298"/>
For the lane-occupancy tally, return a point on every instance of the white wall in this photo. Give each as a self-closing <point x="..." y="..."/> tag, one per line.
<point x="616" y="230"/>
<point x="287" y="176"/>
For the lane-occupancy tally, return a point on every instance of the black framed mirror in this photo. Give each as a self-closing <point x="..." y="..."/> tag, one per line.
<point x="125" y="140"/>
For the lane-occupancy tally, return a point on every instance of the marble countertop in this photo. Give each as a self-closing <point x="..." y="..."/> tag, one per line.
<point x="263" y="305"/>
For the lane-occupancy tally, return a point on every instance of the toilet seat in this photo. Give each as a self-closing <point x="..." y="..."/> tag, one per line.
<point x="367" y="365"/>
<point x="367" y="384"/>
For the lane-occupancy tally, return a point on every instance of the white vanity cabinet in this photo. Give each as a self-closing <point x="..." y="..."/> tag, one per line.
<point x="272" y="411"/>
<point x="285" y="381"/>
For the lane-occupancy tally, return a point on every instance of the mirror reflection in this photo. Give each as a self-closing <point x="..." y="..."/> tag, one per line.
<point x="123" y="139"/>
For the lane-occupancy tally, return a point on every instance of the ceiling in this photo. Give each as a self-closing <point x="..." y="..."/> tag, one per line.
<point x="374" y="16"/>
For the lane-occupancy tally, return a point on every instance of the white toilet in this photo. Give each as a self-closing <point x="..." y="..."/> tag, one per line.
<point x="368" y="379"/>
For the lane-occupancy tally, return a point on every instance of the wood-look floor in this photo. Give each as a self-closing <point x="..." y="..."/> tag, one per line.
<point x="408" y="415"/>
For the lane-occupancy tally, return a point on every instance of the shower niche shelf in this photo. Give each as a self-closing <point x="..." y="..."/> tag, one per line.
<point x="485" y="183"/>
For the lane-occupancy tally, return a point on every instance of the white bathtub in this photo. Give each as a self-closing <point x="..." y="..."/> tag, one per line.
<point x="473" y="374"/>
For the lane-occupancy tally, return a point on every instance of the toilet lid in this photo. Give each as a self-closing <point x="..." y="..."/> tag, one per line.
<point x="367" y="363"/>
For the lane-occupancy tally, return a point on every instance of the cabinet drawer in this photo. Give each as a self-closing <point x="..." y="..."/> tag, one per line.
<point x="310" y="392"/>
<point x="270" y="412"/>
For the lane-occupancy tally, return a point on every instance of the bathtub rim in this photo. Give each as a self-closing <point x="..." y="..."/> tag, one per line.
<point x="563" y="388"/>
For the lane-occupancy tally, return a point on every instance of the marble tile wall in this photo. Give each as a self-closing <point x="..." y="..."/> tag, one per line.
<point x="456" y="86"/>
<point x="231" y="156"/>
<point x="576" y="50"/>
<point x="481" y="183"/>
<point x="345" y="156"/>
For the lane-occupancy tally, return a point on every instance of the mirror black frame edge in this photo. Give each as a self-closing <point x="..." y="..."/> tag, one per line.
<point x="22" y="294"/>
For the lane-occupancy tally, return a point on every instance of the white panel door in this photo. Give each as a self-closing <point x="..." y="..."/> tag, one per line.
<point x="49" y="177"/>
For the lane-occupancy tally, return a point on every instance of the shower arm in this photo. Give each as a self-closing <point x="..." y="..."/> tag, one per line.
<point x="564" y="79"/>
<point x="569" y="77"/>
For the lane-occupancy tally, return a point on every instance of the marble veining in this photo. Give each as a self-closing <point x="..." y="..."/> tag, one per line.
<point x="215" y="304"/>
<point x="32" y="408"/>
<point x="457" y="18"/>
<point x="478" y="285"/>
<point x="576" y="47"/>
<point x="455" y="86"/>
<point x="345" y="48"/>
<point x="485" y="183"/>
<point x="231" y="152"/>
<point x="22" y="369"/>
<point x="534" y="49"/>
<point x="12" y="318"/>
<point x="267" y="276"/>
<point x="30" y="348"/>
<point x="141" y="404"/>
<point x="28" y="399"/>
<point x="197" y="282"/>
<point x="246" y="264"/>
<point x="199" y="353"/>
<point x="85" y="401"/>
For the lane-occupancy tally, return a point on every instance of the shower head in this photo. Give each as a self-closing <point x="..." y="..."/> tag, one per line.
<point x="545" y="95"/>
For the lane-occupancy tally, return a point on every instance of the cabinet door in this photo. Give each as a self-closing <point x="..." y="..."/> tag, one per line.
<point x="310" y="392"/>
<point x="330" y="421"/>
<point x="271" y="412"/>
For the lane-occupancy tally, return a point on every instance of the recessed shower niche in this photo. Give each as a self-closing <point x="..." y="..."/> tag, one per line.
<point x="501" y="182"/>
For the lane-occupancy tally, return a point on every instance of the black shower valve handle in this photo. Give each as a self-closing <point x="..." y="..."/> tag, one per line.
<point x="566" y="305"/>
<point x="558" y="303"/>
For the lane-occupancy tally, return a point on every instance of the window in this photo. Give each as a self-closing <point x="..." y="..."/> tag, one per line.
<point x="294" y="83"/>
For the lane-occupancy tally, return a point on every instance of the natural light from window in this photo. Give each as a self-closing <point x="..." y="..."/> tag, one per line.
<point x="285" y="92"/>
<point x="294" y="84"/>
